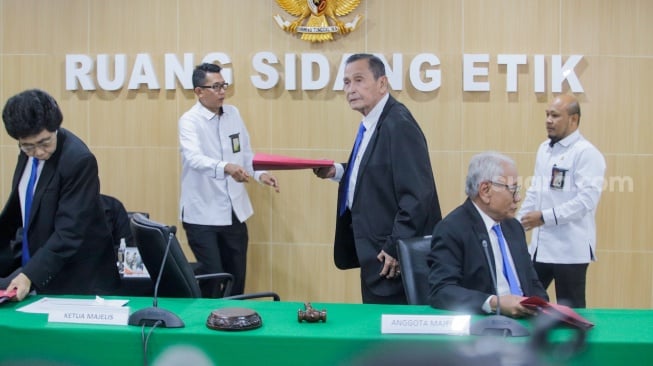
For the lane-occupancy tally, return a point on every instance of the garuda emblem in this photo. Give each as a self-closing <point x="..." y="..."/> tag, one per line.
<point x="317" y="28"/>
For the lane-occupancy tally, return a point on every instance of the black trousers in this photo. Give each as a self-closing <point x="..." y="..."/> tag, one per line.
<point x="569" y="279"/>
<point x="370" y="297"/>
<point x="220" y="249"/>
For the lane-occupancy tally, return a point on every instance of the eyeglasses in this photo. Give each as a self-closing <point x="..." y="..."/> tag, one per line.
<point x="42" y="144"/>
<point x="512" y="189"/>
<point x="216" y="86"/>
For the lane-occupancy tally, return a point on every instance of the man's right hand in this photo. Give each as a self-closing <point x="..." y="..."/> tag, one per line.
<point x="237" y="172"/>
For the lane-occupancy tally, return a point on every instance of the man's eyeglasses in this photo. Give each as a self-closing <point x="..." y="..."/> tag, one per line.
<point x="512" y="189"/>
<point x="42" y="144"/>
<point x="216" y="86"/>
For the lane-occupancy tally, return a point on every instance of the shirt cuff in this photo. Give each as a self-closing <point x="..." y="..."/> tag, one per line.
<point x="549" y="217"/>
<point x="340" y="171"/>
<point x="219" y="170"/>
<point x="258" y="173"/>
<point x="487" y="308"/>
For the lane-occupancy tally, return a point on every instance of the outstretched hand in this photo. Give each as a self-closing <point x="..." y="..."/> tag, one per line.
<point x="270" y="180"/>
<point x="325" y="172"/>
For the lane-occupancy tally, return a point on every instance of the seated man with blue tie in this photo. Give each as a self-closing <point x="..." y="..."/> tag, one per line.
<point x="53" y="233"/>
<point x="481" y="231"/>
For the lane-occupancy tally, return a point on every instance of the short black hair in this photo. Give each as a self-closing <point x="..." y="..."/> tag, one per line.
<point x="30" y="112"/>
<point x="376" y="65"/>
<point x="573" y="108"/>
<point x="199" y="74"/>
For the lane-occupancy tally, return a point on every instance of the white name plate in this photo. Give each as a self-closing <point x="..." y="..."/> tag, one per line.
<point x="425" y="324"/>
<point x="108" y="315"/>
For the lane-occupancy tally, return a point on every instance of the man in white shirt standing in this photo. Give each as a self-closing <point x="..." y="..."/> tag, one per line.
<point x="216" y="160"/>
<point x="560" y="205"/>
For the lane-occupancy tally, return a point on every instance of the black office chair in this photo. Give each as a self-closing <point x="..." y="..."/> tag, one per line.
<point x="177" y="277"/>
<point x="414" y="270"/>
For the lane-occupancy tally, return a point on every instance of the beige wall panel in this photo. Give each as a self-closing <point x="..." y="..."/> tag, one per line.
<point x="259" y="268"/>
<point x="315" y="123"/>
<point x="621" y="280"/>
<point x="304" y="272"/>
<point x="449" y="171"/>
<point x="623" y="219"/>
<point x="607" y="27"/>
<point x="144" y="179"/>
<point x="148" y="120"/>
<point x="44" y="27"/>
<point x="268" y="205"/>
<point x="305" y="212"/>
<point x="414" y="27"/>
<point x="132" y="27"/>
<point x="525" y="164"/>
<point x="8" y="158"/>
<point x="620" y="94"/>
<point x="496" y="123"/>
<point x="511" y="26"/>
<point x="225" y="26"/>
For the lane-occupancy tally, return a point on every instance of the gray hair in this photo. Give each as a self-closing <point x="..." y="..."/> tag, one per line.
<point x="485" y="167"/>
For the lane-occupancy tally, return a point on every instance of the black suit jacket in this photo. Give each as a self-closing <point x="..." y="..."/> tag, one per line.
<point x="460" y="277"/>
<point x="70" y="244"/>
<point x="395" y="197"/>
<point x="117" y="221"/>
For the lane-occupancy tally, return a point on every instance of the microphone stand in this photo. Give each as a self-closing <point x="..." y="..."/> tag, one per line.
<point x="497" y="324"/>
<point x="154" y="315"/>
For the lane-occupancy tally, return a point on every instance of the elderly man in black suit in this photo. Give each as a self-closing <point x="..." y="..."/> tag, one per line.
<point x="387" y="190"/>
<point x="483" y="230"/>
<point x="53" y="233"/>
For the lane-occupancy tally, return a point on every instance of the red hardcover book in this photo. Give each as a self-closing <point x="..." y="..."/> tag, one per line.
<point x="562" y="312"/>
<point x="282" y="162"/>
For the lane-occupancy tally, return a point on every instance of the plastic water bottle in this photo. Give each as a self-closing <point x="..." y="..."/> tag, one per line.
<point x="121" y="256"/>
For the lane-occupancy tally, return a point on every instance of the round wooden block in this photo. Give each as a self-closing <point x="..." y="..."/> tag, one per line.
<point x="233" y="319"/>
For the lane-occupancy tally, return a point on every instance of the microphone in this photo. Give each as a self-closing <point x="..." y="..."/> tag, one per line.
<point x="497" y="324"/>
<point x="154" y="315"/>
<point x="492" y="274"/>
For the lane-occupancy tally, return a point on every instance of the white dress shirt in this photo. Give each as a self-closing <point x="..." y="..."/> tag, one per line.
<point x="568" y="203"/>
<point x="208" y="142"/>
<point x="370" y="121"/>
<point x="502" y="282"/>
<point x="24" y="181"/>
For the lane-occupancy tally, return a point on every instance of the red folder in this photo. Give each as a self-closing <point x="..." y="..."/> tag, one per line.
<point x="6" y="295"/>
<point x="562" y="312"/>
<point x="282" y="162"/>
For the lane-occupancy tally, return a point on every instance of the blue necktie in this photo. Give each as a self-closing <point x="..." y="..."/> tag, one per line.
<point x="29" y="195"/>
<point x="508" y="271"/>
<point x="350" y="167"/>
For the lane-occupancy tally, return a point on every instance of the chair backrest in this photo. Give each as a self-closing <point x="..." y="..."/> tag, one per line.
<point x="132" y="213"/>
<point x="414" y="270"/>
<point x="177" y="278"/>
